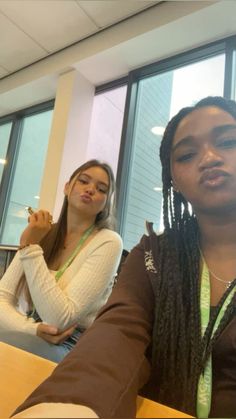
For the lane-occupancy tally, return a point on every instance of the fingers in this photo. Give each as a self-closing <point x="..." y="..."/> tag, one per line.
<point x="41" y="217"/>
<point x="30" y="210"/>
<point x="52" y="335"/>
<point x="47" y="328"/>
<point x="64" y="335"/>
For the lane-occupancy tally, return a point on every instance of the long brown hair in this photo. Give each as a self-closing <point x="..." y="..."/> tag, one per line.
<point x="54" y="240"/>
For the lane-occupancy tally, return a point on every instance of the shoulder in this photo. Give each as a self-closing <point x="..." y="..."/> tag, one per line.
<point x="151" y="241"/>
<point x="107" y="243"/>
<point x="106" y="235"/>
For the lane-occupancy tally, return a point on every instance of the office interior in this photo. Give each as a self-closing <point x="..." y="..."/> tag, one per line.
<point x="100" y="79"/>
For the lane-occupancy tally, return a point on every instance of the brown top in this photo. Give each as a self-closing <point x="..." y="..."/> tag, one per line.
<point x="224" y="374"/>
<point x="108" y="366"/>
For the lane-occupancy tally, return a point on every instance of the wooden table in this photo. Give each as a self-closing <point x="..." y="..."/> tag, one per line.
<point x="21" y="372"/>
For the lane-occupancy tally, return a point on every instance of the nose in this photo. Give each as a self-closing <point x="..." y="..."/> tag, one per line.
<point x="210" y="158"/>
<point x="90" y="189"/>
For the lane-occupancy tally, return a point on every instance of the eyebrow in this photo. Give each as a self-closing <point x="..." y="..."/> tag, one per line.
<point x="221" y="129"/>
<point x="90" y="177"/>
<point x="184" y="141"/>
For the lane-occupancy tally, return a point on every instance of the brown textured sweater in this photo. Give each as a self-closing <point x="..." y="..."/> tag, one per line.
<point x="109" y="365"/>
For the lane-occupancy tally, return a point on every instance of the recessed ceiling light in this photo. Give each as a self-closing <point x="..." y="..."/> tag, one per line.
<point x="37" y="197"/>
<point x="157" y="188"/>
<point x="158" y="130"/>
<point x="3" y="161"/>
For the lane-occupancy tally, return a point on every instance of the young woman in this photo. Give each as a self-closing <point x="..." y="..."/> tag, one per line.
<point x="67" y="269"/>
<point x="169" y="328"/>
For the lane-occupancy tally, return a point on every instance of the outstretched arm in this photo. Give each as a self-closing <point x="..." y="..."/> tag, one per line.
<point x="108" y="366"/>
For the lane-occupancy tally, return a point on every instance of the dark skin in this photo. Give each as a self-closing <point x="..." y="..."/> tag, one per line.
<point x="203" y="166"/>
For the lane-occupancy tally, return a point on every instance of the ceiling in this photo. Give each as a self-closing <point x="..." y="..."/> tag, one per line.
<point x="31" y="30"/>
<point x="103" y="40"/>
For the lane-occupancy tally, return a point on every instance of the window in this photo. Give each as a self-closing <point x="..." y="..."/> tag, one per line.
<point x="106" y="126"/>
<point x="24" y="180"/>
<point x="160" y="97"/>
<point x="5" y="131"/>
<point x="233" y="89"/>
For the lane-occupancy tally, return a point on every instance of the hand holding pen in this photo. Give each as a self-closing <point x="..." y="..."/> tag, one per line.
<point x="31" y="212"/>
<point x="40" y="223"/>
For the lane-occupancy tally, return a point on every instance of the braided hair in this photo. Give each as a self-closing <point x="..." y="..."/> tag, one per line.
<point x="179" y="353"/>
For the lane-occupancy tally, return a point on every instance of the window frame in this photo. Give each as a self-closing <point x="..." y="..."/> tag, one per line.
<point x="225" y="46"/>
<point x="16" y="119"/>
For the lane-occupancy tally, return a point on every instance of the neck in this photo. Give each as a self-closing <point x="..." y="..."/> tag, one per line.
<point x="217" y="232"/>
<point x="78" y="224"/>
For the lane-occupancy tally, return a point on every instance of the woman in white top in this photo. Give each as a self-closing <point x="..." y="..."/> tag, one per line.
<point x="64" y="271"/>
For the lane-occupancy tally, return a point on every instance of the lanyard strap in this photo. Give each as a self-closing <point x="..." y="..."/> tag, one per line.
<point x="205" y="379"/>
<point x="59" y="273"/>
<point x="76" y="251"/>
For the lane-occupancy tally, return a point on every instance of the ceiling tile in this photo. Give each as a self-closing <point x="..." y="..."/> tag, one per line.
<point x="106" y="13"/>
<point x="53" y="24"/>
<point x="16" y="48"/>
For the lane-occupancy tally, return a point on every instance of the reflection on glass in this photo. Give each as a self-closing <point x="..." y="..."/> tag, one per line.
<point x="5" y="131"/>
<point x="106" y="126"/>
<point x="27" y="175"/>
<point x="159" y="98"/>
<point x="234" y="77"/>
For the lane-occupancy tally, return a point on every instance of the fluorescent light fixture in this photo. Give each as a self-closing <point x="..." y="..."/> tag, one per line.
<point x="37" y="197"/>
<point x="158" y="130"/>
<point x="157" y="188"/>
<point x="3" y="161"/>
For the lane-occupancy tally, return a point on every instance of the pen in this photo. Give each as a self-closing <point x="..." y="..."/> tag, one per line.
<point x="30" y="211"/>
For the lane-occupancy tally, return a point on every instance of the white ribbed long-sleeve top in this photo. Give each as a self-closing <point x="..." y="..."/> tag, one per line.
<point x="75" y="298"/>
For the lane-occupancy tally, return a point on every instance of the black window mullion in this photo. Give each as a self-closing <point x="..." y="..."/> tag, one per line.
<point x="229" y="67"/>
<point x="125" y="152"/>
<point x="7" y="172"/>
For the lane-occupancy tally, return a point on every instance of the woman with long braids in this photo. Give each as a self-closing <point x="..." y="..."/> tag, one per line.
<point x="168" y="331"/>
<point x="66" y="270"/>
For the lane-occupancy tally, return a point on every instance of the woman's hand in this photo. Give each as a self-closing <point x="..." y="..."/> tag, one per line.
<point x="40" y="223"/>
<point x="52" y="335"/>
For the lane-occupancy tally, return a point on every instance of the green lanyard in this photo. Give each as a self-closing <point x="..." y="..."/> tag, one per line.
<point x="76" y="251"/>
<point x="70" y="260"/>
<point x="205" y="380"/>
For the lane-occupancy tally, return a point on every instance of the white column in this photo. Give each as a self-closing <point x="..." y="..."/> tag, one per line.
<point x="68" y="138"/>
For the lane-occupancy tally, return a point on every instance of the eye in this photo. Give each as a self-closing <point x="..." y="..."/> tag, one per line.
<point x="185" y="157"/>
<point x="102" y="189"/>
<point x="83" y="181"/>
<point x="227" y="143"/>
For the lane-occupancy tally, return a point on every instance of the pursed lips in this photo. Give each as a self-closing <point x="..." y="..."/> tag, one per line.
<point x="213" y="174"/>
<point x="86" y="198"/>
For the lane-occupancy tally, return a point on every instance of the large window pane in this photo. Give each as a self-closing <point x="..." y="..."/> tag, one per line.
<point x="5" y="131"/>
<point x="26" y="179"/>
<point x="234" y="77"/>
<point x="106" y="126"/>
<point x="159" y="98"/>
